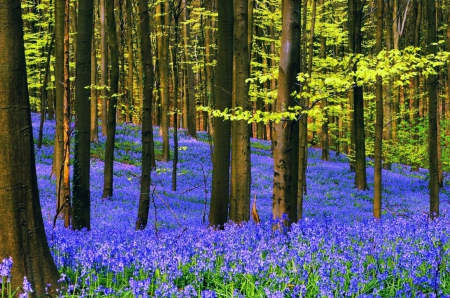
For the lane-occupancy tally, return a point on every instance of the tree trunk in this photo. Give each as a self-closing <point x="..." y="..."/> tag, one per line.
<point x="417" y="15"/>
<point x="23" y="236"/>
<point x="147" y="131"/>
<point x="93" y="103"/>
<point x="378" y="151"/>
<point x="66" y="208"/>
<point x="59" y="103"/>
<point x="218" y="212"/>
<point x="286" y="132"/>
<point x="432" y="85"/>
<point x="191" y="107"/>
<point x="81" y="177"/>
<point x="240" y="151"/>
<point x="104" y="66"/>
<point x="111" y="133"/>
<point x="130" y="98"/>
<point x="356" y="8"/>
<point x="163" y="59"/>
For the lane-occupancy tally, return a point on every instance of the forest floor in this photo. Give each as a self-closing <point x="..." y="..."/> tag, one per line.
<point x="338" y="249"/>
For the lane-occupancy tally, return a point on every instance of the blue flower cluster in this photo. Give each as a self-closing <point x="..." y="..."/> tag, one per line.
<point x="338" y="249"/>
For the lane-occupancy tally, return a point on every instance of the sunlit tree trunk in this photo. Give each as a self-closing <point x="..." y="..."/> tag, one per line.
<point x="59" y="103"/>
<point x="378" y="154"/>
<point x="104" y="66"/>
<point x="325" y="140"/>
<point x="147" y="131"/>
<point x="112" y="108"/>
<point x="22" y="234"/>
<point x="417" y="15"/>
<point x="191" y="108"/>
<point x="66" y="207"/>
<point x="432" y="85"/>
<point x="81" y="177"/>
<point x="93" y="103"/>
<point x="130" y="87"/>
<point x="285" y="132"/>
<point x="240" y="133"/>
<point x="218" y="212"/>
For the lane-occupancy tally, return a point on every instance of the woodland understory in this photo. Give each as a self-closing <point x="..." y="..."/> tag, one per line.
<point x="338" y="249"/>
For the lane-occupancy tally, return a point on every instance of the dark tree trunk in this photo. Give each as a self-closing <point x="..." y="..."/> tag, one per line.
<point x="104" y="65"/>
<point x="22" y="234"/>
<point x="285" y="132"/>
<point x="81" y="177"/>
<point x="432" y="85"/>
<point x="356" y="7"/>
<point x="218" y="212"/>
<point x="147" y="131"/>
<point x="111" y="132"/>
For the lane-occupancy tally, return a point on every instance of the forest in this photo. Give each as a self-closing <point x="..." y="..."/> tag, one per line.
<point x="245" y="148"/>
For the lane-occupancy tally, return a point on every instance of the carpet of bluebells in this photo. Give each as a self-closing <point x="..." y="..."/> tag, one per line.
<point x="337" y="250"/>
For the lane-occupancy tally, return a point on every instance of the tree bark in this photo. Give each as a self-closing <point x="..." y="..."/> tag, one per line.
<point x="356" y="7"/>
<point x="104" y="66"/>
<point x="286" y="132"/>
<point x="59" y="103"/>
<point x="218" y="212"/>
<point x="147" y="131"/>
<point x="240" y="151"/>
<point x="112" y="108"/>
<point x="432" y="85"/>
<point x="81" y="177"/>
<point x="22" y="234"/>
<point x="378" y="151"/>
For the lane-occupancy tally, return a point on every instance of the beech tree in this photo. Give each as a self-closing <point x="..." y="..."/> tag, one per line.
<point x="147" y="130"/>
<point x="285" y="132"/>
<point x="22" y="234"/>
<point x="218" y="211"/>
<point x="81" y="178"/>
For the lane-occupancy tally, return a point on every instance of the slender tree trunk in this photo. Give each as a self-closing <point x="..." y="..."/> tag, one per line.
<point x="147" y="131"/>
<point x="303" y="129"/>
<point x="58" y="155"/>
<point x="325" y="140"/>
<point x="218" y="212"/>
<point x="417" y="15"/>
<point x="130" y="83"/>
<point x="432" y="85"/>
<point x="378" y="154"/>
<point x="67" y="119"/>
<point x="81" y="177"/>
<point x="240" y="151"/>
<point x="104" y="66"/>
<point x="191" y="107"/>
<point x="111" y="133"/>
<point x="388" y="92"/>
<point x="22" y="234"/>
<point x="93" y="103"/>
<point x="356" y="7"/>
<point x="286" y="132"/>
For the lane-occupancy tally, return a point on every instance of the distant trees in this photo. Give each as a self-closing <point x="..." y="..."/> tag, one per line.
<point x="22" y="234"/>
<point x="331" y="97"/>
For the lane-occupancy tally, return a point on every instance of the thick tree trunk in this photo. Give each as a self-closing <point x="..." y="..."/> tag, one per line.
<point x="286" y="132"/>
<point x="432" y="85"/>
<point x="111" y="133"/>
<point x="22" y="234"/>
<point x="147" y="131"/>
<point x="81" y="177"/>
<point x="240" y="151"/>
<point x="218" y="212"/>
